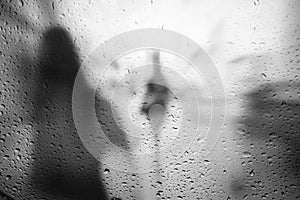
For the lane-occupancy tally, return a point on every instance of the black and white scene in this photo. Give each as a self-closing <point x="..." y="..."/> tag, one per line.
<point x="149" y="100"/>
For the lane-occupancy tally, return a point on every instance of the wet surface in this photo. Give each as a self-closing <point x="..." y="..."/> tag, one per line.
<point x="255" y="46"/>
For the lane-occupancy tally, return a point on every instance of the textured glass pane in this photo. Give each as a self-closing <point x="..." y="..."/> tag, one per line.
<point x="149" y="99"/>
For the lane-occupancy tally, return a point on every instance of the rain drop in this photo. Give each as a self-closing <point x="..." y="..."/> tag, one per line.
<point x="246" y="154"/>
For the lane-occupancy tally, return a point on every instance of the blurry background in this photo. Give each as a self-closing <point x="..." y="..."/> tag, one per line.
<point x="255" y="46"/>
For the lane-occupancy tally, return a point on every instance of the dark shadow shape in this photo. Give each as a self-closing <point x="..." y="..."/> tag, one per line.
<point x="271" y="107"/>
<point x="272" y="115"/>
<point x="62" y="167"/>
<point x="156" y="93"/>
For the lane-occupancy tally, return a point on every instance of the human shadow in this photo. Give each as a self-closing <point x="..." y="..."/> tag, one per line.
<point x="62" y="167"/>
<point x="157" y="93"/>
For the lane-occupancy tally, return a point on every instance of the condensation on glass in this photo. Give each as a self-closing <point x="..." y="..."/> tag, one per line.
<point x="255" y="47"/>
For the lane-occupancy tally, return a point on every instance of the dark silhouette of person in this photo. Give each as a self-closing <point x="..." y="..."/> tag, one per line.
<point x="62" y="167"/>
<point x="157" y="92"/>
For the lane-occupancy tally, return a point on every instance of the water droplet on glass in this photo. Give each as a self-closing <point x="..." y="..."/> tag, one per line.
<point x="246" y="154"/>
<point x="106" y="171"/>
<point x="21" y="3"/>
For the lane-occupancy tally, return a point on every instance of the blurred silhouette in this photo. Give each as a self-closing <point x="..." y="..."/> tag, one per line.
<point x="154" y="106"/>
<point x="157" y="93"/>
<point x="274" y="107"/>
<point x="271" y="124"/>
<point x="269" y="128"/>
<point x="62" y="166"/>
